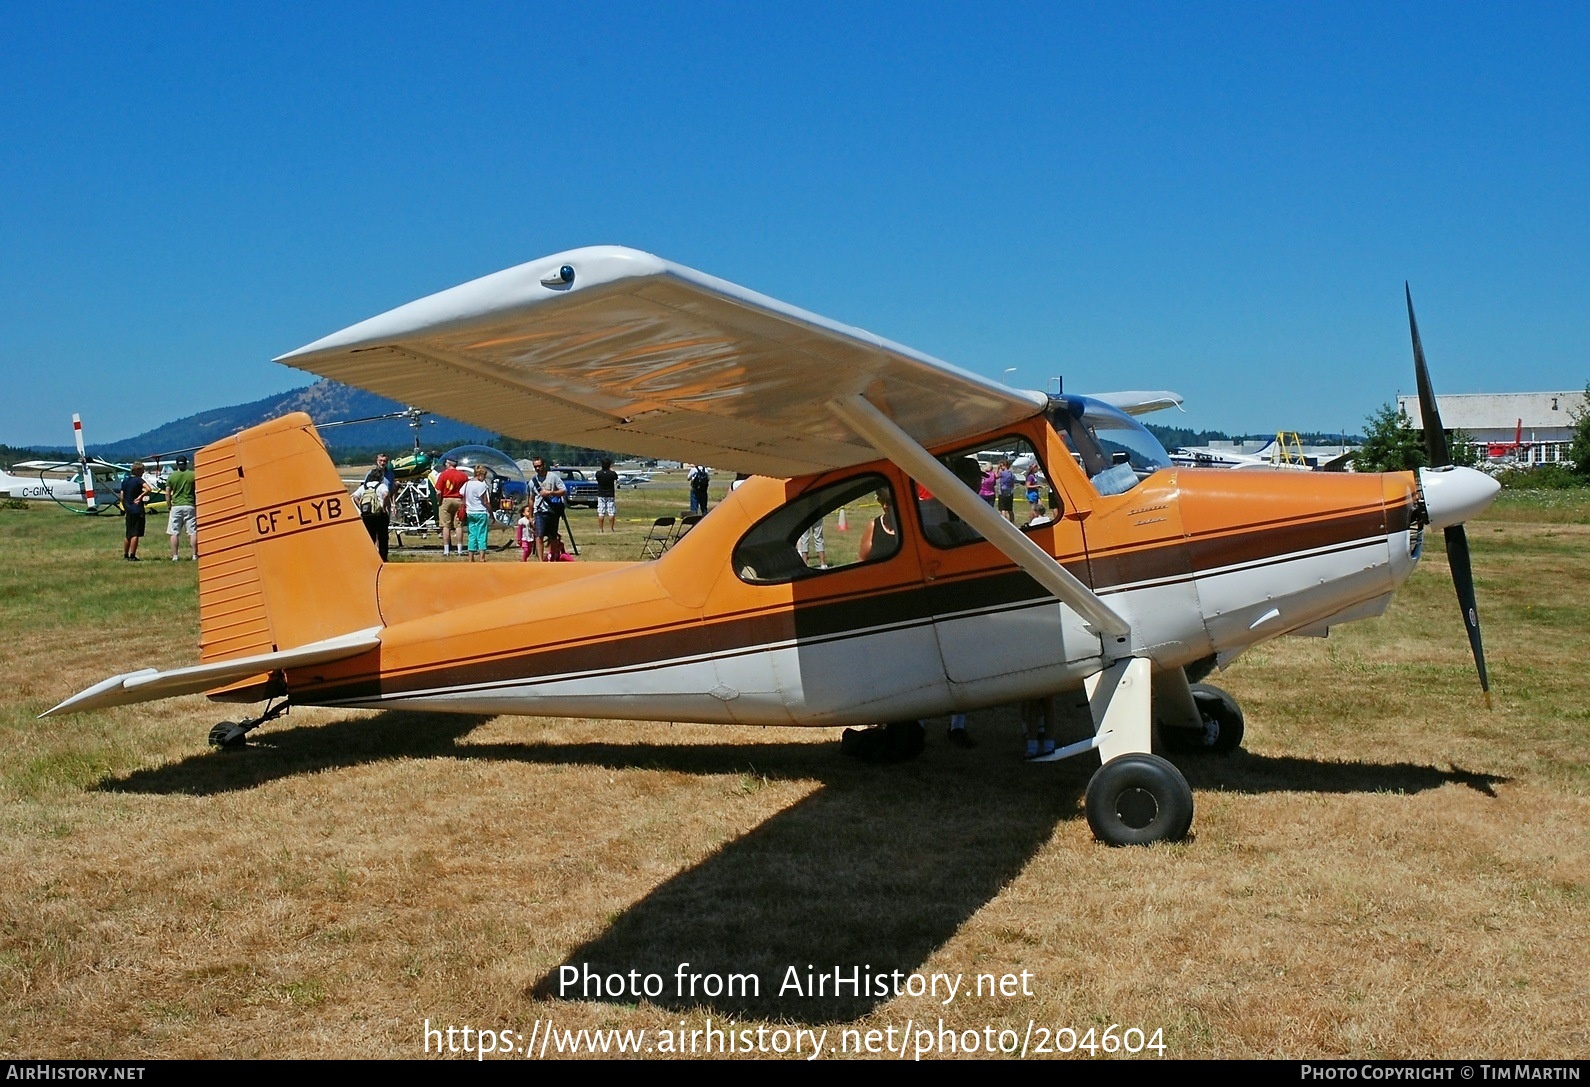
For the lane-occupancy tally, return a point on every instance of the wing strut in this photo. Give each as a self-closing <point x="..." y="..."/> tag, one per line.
<point x="879" y="431"/>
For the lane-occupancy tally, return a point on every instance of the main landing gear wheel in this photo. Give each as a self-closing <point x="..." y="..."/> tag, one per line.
<point x="1139" y="800"/>
<point x="897" y="741"/>
<point x="1223" y="726"/>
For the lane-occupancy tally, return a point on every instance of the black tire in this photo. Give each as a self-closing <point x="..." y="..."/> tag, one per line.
<point x="898" y="741"/>
<point x="1223" y="721"/>
<point x="219" y="734"/>
<point x="1139" y="800"/>
<point x="1222" y="729"/>
<point x="906" y="740"/>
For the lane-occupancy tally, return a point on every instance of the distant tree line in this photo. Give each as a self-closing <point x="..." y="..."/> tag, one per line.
<point x="1173" y="438"/>
<point x="552" y="452"/>
<point x="10" y="454"/>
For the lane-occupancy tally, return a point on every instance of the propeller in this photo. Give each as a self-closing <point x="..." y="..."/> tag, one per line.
<point x="82" y="460"/>
<point x="1457" y="541"/>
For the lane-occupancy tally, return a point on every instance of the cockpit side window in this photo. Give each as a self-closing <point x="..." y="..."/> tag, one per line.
<point x="1114" y="450"/>
<point x="789" y="544"/>
<point x="1005" y="476"/>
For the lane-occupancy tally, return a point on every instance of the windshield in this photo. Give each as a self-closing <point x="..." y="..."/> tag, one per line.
<point x="1115" y="450"/>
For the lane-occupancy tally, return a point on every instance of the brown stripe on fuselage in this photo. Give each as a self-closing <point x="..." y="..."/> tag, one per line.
<point x="851" y="616"/>
<point x="857" y="614"/>
<point x="1198" y="554"/>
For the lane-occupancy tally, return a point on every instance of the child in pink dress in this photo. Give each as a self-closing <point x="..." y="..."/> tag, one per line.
<point x="524" y="535"/>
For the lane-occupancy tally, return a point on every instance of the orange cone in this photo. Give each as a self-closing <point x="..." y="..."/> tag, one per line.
<point x="843" y="526"/>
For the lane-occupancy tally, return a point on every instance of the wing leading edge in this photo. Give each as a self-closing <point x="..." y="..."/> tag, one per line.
<point x="617" y="349"/>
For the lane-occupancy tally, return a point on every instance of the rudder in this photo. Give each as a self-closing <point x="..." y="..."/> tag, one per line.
<point x="284" y="558"/>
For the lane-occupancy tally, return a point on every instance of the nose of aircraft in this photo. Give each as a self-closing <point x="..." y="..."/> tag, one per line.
<point x="1452" y="495"/>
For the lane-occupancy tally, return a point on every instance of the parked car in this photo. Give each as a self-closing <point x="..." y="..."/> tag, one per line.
<point x="581" y="491"/>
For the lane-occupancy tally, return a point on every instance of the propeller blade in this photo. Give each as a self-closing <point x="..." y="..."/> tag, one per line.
<point x="1457" y="554"/>
<point x="82" y="460"/>
<point x="1429" y="415"/>
<point x="1457" y="541"/>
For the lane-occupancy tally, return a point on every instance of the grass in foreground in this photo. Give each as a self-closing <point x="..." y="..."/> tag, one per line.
<point x="1387" y="870"/>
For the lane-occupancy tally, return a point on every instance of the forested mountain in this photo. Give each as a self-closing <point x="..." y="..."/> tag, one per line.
<point x="325" y="401"/>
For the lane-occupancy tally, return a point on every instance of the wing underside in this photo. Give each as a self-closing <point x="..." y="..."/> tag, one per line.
<point x="616" y="349"/>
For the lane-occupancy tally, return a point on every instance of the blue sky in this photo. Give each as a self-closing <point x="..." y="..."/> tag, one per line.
<point x="1223" y="200"/>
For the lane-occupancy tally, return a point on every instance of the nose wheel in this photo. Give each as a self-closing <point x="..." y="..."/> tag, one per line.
<point x="1139" y="800"/>
<point x="1222" y="729"/>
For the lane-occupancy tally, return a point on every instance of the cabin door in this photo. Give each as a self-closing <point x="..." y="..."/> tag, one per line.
<point x="991" y="619"/>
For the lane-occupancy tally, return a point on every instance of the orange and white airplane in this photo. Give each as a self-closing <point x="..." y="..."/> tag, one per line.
<point x="1149" y="576"/>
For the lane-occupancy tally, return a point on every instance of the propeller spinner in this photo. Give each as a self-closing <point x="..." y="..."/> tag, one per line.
<point x="1451" y="496"/>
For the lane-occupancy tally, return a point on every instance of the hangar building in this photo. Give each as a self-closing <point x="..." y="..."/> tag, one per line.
<point x="1541" y="422"/>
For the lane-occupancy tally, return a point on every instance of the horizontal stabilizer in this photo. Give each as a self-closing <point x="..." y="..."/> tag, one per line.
<point x="149" y="684"/>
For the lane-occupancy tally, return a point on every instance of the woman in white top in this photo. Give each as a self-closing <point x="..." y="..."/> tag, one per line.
<point x="477" y="513"/>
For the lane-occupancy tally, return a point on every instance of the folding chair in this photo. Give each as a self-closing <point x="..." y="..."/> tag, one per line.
<point x="687" y="521"/>
<point x="658" y="537"/>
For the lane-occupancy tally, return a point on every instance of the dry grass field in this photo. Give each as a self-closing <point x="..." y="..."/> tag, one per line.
<point x="1386" y="870"/>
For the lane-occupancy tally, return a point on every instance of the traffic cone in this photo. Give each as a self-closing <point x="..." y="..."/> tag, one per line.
<point x="843" y="526"/>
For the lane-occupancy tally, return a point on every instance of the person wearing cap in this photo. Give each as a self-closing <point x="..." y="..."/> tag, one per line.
<point x="450" y="491"/>
<point x="183" y="515"/>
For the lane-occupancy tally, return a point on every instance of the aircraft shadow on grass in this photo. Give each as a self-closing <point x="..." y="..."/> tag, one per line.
<point x="858" y="876"/>
<point x="876" y="870"/>
<point x="279" y="752"/>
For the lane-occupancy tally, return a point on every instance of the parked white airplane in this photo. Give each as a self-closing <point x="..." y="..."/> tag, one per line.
<point x="37" y="485"/>
<point x="1265" y="457"/>
<point x="69" y="482"/>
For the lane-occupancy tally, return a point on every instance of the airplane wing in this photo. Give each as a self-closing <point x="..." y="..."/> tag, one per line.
<point x="612" y="348"/>
<point x="47" y="465"/>
<point x="1138" y="402"/>
<point x="148" y="683"/>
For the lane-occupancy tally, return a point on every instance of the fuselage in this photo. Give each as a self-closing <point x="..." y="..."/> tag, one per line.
<point x="38" y="486"/>
<point x="728" y="627"/>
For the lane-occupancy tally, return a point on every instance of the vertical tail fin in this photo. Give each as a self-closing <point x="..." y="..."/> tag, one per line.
<point x="284" y="558"/>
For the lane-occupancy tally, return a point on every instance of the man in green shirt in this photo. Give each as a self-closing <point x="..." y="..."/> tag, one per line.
<point x="184" y="513"/>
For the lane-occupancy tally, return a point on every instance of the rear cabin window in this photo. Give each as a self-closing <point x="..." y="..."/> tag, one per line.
<point x="1003" y="476"/>
<point x="797" y="540"/>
